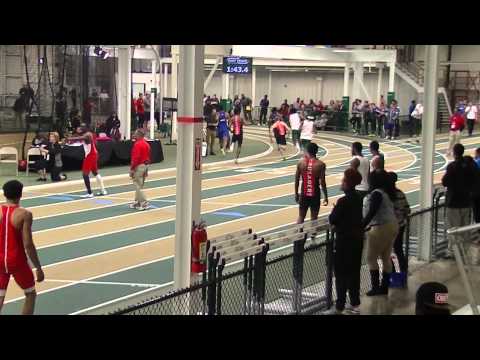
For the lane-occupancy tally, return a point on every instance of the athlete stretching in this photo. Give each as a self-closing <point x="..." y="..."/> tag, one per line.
<point x="236" y="124"/>
<point x="15" y="244"/>
<point x="312" y="172"/>
<point x="90" y="162"/>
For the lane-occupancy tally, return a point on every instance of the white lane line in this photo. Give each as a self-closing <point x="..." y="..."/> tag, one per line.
<point x="102" y="283"/>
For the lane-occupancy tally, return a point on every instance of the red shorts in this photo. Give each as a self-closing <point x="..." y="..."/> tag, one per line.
<point x="23" y="276"/>
<point x="90" y="164"/>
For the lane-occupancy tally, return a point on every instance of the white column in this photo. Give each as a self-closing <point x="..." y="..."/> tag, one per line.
<point x="269" y="92"/>
<point x="189" y="185"/>
<point x="211" y="74"/>
<point x="391" y="77"/>
<point x="230" y="85"/>
<point x="225" y="86"/>
<point x="357" y="78"/>
<point x="165" y="79"/>
<point x="174" y="92"/>
<point x="428" y="147"/>
<point x="346" y="79"/>
<point x="152" y="100"/>
<point x="319" y="88"/>
<point x="254" y="81"/>
<point x="124" y="76"/>
<point x="379" y="83"/>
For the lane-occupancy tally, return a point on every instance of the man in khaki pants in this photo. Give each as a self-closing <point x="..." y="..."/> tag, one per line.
<point x="139" y="169"/>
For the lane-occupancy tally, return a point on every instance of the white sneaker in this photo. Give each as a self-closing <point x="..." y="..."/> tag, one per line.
<point x="133" y="205"/>
<point x="332" y="311"/>
<point x="87" y="196"/>
<point x="352" y="310"/>
<point x="102" y="193"/>
<point x="143" y="207"/>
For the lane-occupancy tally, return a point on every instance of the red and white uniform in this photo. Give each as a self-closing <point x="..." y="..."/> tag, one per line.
<point x="90" y="163"/>
<point x="310" y="186"/>
<point x="281" y="127"/>
<point x="13" y="260"/>
<point x="237" y="125"/>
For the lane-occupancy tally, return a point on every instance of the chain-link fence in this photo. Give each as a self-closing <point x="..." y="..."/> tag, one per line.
<point x="300" y="280"/>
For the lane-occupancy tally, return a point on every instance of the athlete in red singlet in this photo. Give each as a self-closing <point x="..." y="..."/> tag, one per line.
<point x="236" y="125"/>
<point x="90" y="162"/>
<point x="280" y="130"/>
<point x="15" y="244"/>
<point x="312" y="172"/>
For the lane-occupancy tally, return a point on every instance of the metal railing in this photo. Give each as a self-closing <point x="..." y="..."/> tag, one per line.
<point x="463" y="240"/>
<point x="284" y="272"/>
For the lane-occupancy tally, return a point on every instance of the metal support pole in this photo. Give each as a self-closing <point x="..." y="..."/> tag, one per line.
<point x="124" y="106"/>
<point x="298" y="258"/>
<point x="152" y="101"/>
<point x="428" y="148"/>
<point x="346" y="79"/>
<point x="269" y="92"/>
<point x="165" y="79"/>
<point x="225" y="86"/>
<point x="391" y="76"/>
<point x="189" y="159"/>
<point x="254" y="81"/>
<point x="379" y="83"/>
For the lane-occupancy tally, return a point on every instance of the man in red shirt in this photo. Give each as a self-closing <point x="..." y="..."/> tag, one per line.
<point x="139" y="169"/>
<point x="15" y="244"/>
<point x="140" y="108"/>
<point x="457" y="124"/>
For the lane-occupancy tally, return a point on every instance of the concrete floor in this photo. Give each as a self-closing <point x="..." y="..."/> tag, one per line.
<point x="402" y="301"/>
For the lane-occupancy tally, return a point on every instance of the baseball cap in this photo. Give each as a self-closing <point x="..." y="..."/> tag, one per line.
<point x="432" y="299"/>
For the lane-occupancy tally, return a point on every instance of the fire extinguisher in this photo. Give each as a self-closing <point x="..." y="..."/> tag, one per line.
<point x="199" y="248"/>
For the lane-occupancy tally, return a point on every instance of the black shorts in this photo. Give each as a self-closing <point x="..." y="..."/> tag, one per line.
<point x="307" y="202"/>
<point x="281" y="140"/>
<point x="237" y="138"/>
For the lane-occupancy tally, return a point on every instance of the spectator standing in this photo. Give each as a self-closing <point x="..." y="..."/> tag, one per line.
<point x="457" y="124"/>
<point x="416" y="116"/>
<point x="393" y="121"/>
<point x="296" y="104"/>
<point x="295" y="123"/>
<point x="362" y="165"/>
<point x="459" y="180"/>
<point x="356" y="116"/>
<point x="366" y="117"/>
<point x="19" y="107"/>
<point x="411" y="122"/>
<point x="285" y="110"/>
<point x="346" y="219"/>
<point x="381" y="116"/>
<point x="264" y="103"/>
<point x="140" y="159"/>
<point x="402" y="210"/>
<point x="212" y="122"/>
<point x="472" y="115"/>
<point x="381" y="228"/>
<point x="140" y="108"/>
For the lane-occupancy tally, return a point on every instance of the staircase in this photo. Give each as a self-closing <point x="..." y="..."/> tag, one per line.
<point x="413" y="74"/>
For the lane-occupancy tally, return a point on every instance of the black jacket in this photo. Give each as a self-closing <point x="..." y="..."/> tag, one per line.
<point x="459" y="180"/>
<point x="346" y="216"/>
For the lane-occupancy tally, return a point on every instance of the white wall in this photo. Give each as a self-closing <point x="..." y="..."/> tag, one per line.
<point x="290" y="85"/>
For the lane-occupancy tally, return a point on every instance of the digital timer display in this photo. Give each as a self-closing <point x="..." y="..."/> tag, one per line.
<point x="237" y="65"/>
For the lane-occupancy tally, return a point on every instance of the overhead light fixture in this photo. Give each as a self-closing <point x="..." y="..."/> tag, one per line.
<point x="342" y="50"/>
